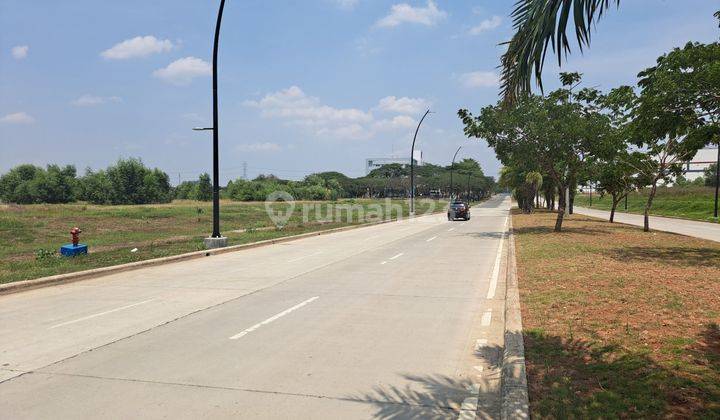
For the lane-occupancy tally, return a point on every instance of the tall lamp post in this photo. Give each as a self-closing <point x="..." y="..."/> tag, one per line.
<point x="412" y="165"/>
<point x="216" y="240"/>
<point x="468" y="187"/>
<point x="717" y="179"/>
<point x="452" y="166"/>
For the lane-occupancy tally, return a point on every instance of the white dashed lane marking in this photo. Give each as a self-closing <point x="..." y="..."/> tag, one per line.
<point x="102" y="313"/>
<point x="273" y="318"/>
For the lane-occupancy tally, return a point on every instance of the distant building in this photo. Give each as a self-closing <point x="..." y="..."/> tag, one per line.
<point x="702" y="160"/>
<point x="374" y="163"/>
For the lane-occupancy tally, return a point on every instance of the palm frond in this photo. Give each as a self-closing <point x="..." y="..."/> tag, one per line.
<point x="540" y="24"/>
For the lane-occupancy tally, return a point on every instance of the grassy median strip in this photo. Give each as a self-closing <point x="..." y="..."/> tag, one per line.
<point x="618" y="322"/>
<point x="32" y="234"/>
<point x="694" y="203"/>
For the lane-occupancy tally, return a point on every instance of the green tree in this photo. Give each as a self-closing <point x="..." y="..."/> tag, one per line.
<point x="534" y="179"/>
<point x="539" y="24"/>
<point x="678" y="111"/>
<point x="710" y="175"/>
<point x="618" y="177"/>
<point x="129" y="181"/>
<point x="27" y="184"/>
<point x="15" y="186"/>
<point x="186" y="190"/>
<point x="554" y="134"/>
<point x="95" y="187"/>
<point x="204" y="188"/>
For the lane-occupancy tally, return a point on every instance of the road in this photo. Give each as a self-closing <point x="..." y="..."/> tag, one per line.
<point x="400" y="320"/>
<point x="704" y="230"/>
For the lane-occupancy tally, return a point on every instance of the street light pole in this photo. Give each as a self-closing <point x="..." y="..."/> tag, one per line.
<point x="412" y="165"/>
<point x="216" y="240"/>
<point x="717" y="179"/>
<point x="452" y="166"/>
<point x="468" y="187"/>
<point x="216" y="157"/>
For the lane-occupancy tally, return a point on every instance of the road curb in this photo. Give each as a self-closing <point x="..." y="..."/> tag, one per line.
<point x="515" y="402"/>
<point x="58" y="279"/>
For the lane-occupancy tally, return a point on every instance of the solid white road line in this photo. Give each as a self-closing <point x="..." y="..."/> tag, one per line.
<point x="496" y="269"/>
<point x="431" y="239"/>
<point x="397" y="256"/>
<point x="101" y="313"/>
<point x="273" y="318"/>
<point x="451" y="229"/>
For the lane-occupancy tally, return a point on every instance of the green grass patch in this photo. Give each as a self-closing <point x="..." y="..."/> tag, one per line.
<point x="32" y="234"/>
<point x="694" y="203"/>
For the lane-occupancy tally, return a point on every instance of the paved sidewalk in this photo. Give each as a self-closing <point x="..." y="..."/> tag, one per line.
<point x="704" y="230"/>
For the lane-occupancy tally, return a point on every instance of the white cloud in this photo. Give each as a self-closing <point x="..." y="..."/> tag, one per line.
<point x="17" y="118"/>
<point x="140" y="46"/>
<point x="403" y="105"/>
<point x="297" y="108"/>
<point x="293" y="104"/>
<point x="486" y="25"/>
<point x="258" y="147"/>
<point x="404" y="13"/>
<point x="181" y="72"/>
<point x="20" y="52"/>
<point x="92" y="100"/>
<point x="396" y="123"/>
<point x="346" y="4"/>
<point x="478" y="79"/>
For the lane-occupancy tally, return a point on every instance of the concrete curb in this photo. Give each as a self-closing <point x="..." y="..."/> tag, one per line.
<point x="515" y="402"/>
<point x="24" y="285"/>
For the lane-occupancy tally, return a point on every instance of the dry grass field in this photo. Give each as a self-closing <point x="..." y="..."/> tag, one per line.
<point x="618" y="323"/>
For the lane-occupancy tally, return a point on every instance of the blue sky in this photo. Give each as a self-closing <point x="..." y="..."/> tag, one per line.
<point x="305" y="86"/>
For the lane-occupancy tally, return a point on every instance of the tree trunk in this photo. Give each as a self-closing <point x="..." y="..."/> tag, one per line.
<point x="571" y="204"/>
<point x="653" y="190"/>
<point x="615" y="202"/>
<point x="561" y="210"/>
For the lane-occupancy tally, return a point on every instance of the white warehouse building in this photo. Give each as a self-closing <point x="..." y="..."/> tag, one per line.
<point x="702" y="160"/>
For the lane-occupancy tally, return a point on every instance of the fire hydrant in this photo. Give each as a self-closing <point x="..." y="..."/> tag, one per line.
<point x="76" y="248"/>
<point x="75" y="232"/>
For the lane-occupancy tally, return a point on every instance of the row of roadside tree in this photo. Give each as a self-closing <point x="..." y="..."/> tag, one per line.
<point x="621" y="140"/>
<point x="129" y="181"/>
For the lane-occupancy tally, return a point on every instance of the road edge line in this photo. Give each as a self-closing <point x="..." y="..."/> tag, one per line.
<point x="515" y="400"/>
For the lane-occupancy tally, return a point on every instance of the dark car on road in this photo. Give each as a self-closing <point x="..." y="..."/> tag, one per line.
<point x="458" y="209"/>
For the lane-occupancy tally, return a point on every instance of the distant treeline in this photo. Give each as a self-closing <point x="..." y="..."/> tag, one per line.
<point x="129" y="181"/>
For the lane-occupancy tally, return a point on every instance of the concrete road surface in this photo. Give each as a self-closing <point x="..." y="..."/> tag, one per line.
<point x="400" y="320"/>
<point x="704" y="230"/>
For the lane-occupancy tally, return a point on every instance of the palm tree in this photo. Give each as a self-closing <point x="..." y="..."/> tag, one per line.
<point x="539" y="24"/>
